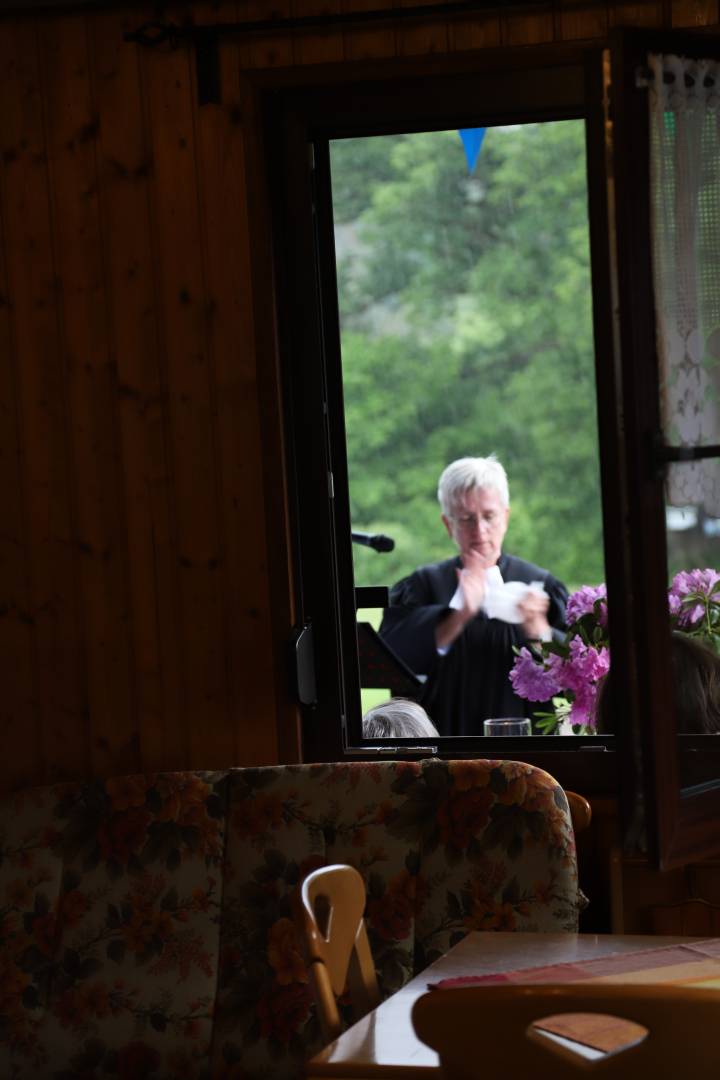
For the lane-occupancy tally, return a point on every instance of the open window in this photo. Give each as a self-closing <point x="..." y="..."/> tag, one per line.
<point x="360" y="319"/>
<point x="514" y="95"/>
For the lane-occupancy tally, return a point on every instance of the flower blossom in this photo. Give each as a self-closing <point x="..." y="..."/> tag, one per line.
<point x="584" y="665"/>
<point x="582" y="710"/>
<point x="695" y="584"/>
<point x="579" y="674"/>
<point x="532" y="680"/>
<point x="583" y="601"/>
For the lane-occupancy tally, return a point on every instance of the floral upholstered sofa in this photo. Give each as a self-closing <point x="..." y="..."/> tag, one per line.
<point x="147" y="922"/>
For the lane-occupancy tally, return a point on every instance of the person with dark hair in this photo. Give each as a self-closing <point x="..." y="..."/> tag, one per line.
<point x="398" y="718"/>
<point x="696" y="689"/>
<point x="458" y="622"/>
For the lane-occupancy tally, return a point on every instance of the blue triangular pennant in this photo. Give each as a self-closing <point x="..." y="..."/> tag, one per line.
<point x="472" y="141"/>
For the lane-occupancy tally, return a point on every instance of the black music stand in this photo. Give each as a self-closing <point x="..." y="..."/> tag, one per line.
<point x="381" y="668"/>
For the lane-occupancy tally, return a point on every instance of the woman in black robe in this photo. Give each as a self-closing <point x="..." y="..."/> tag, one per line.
<point x="439" y="619"/>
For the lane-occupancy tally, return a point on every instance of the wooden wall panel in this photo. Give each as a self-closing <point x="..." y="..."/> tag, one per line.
<point x="17" y="709"/>
<point x="580" y="23"/>
<point x="125" y="169"/>
<point x="421" y="36"/>
<point x="642" y="14"/>
<point x="480" y="32"/>
<point x="96" y="481"/>
<point x="246" y="627"/>
<point x="190" y="406"/>
<point x="59" y="744"/>
<point x="265" y="50"/>
<point x="694" y="13"/>
<point x="527" y="29"/>
<point x="324" y="46"/>
<point x="364" y="41"/>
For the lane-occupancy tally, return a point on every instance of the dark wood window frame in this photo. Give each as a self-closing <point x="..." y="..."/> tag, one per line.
<point x="449" y="92"/>
<point x="681" y="823"/>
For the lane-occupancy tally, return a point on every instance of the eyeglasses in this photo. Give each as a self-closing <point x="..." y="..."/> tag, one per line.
<point x="471" y="521"/>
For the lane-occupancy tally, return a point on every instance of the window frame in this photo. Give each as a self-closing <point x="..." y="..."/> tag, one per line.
<point x="679" y="822"/>
<point x="434" y="93"/>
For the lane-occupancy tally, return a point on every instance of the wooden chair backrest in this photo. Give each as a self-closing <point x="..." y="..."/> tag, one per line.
<point x="484" y="1031"/>
<point x="338" y="953"/>
<point x="580" y="810"/>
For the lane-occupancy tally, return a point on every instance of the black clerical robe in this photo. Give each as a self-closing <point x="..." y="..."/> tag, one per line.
<point x="471" y="681"/>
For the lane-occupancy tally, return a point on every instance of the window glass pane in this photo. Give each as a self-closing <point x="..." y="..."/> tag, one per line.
<point x="465" y="306"/>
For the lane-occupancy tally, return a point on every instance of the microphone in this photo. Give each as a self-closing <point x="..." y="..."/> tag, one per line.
<point x="374" y="540"/>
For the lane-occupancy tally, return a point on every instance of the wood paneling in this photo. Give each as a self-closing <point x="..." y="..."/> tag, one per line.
<point x="580" y="23"/>
<point x="99" y="536"/>
<point x="422" y="35"/>
<point x="245" y="627"/>
<point x="145" y="585"/>
<point x="364" y="41"/>
<point x="324" y="45"/>
<point x="17" y="708"/>
<point x="59" y="743"/>
<point x="694" y="13"/>
<point x="481" y="32"/>
<point x="187" y="377"/>
<point x="265" y="50"/>
<point x="643" y="14"/>
<point x="125" y="169"/>
<point x="527" y="29"/>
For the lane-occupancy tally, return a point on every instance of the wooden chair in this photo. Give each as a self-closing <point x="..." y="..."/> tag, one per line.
<point x="337" y="945"/>
<point x="484" y="1031"/>
<point x="580" y="810"/>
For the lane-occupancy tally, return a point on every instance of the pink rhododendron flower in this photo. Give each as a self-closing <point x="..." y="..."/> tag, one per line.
<point x="703" y="584"/>
<point x="582" y="603"/>
<point x="582" y="710"/>
<point x="585" y="664"/>
<point x="569" y="671"/>
<point x="531" y="680"/>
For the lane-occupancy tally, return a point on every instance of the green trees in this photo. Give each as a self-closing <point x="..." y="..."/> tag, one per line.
<point x="466" y="329"/>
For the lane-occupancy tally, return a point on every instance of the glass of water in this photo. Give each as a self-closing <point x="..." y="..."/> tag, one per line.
<point x="510" y="725"/>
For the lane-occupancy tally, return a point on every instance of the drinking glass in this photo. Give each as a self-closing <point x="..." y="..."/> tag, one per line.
<point x="510" y="725"/>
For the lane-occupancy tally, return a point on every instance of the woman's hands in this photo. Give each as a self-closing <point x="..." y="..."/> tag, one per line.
<point x="471" y="581"/>
<point x="533" y="608"/>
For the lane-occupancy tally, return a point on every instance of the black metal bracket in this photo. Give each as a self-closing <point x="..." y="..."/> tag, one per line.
<point x="662" y="455"/>
<point x="665" y="454"/>
<point x="207" y="52"/>
<point x="152" y="34"/>
<point x="207" y="69"/>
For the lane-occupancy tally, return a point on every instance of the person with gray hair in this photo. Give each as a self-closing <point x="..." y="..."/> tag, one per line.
<point x="398" y="718"/>
<point x="458" y="622"/>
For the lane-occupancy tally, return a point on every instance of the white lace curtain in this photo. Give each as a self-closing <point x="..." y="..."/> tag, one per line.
<point x="684" y="100"/>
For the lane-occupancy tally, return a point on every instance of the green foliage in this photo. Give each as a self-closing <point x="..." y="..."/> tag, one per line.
<point x="466" y="329"/>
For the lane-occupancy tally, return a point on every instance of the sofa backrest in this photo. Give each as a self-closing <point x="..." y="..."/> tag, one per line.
<point x="148" y="922"/>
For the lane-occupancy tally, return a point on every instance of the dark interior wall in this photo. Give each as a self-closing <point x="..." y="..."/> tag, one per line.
<point x="145" y="587"/>
<point x="135" y="629"/>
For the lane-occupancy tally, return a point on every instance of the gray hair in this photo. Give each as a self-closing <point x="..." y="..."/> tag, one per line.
<point x="398" y="718"/>
<point x="468" y="473"/>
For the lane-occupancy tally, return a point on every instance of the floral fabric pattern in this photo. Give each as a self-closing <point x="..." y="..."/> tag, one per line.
<point x="147" y="923"/>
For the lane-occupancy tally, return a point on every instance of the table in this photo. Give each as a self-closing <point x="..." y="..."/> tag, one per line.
<point x="383" y="1043"/>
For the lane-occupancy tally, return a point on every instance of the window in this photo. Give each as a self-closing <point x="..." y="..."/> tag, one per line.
<point x="310" y="127"/>
<point x="466" y="328"/>
<point x="509" y="91"/>
<point x="680" y="771"/>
